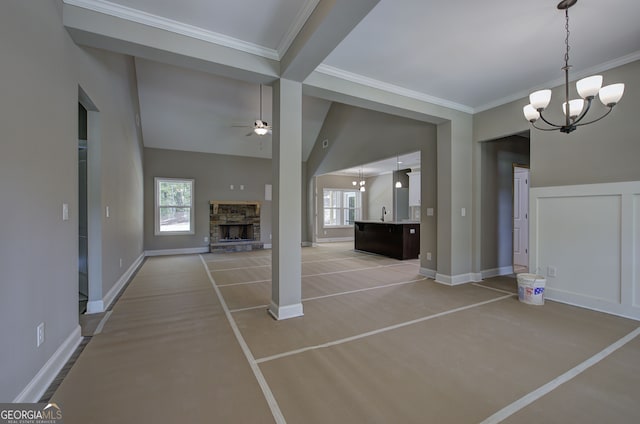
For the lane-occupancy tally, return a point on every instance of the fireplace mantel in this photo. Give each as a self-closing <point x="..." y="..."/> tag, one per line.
<point x="216" y="203"/>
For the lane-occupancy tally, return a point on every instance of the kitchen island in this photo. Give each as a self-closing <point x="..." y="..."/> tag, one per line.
<point x="395" y="239"/>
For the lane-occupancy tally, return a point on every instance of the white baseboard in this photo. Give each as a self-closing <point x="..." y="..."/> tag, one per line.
<point x="185" y="251"/>
<point x="95" y="307"/>
<point x="43" y="379"/>
<point x="431" y="273"/>
<point x="576" y="299"/>
<point x="495" y="272"/>
<point x="99" y="306"/>
<point x="333" y="239"/>
<point x="285" y="312"/>
<point x="454" y="280"/>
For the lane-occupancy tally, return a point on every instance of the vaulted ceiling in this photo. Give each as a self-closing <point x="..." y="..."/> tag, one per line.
<point x="199" y="63"/>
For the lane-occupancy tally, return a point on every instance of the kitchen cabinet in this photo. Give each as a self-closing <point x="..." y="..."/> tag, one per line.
<point x="399" y="240"/>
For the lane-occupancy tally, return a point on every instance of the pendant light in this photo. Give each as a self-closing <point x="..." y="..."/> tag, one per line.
<point x="398" y="182"/>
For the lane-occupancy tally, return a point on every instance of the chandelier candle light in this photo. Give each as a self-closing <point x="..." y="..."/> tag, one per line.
<point x="587" y="88"/>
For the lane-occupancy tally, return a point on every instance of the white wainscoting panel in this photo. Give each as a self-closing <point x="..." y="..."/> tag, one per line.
<point x="585" y="235"/>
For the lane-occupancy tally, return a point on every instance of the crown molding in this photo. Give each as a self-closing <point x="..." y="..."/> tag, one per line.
<point x="391" y="88"/>
<point x="144" y="18"/>
<point x="294" y="29"/>
<point x="524" y="94"/>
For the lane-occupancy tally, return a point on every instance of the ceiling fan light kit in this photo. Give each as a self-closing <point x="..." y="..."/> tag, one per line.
<point x="260" y="127"/>
<point x="587" y="89"/>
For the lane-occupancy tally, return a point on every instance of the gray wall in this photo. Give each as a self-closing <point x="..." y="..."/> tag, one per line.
<point x="498" y="158"/>
<point x="379" y="194"/>
<point x="213" y="174"/>
<point x="41" y="71"/>
<point x="358" y="136"/>
<point x="606" y="151"/>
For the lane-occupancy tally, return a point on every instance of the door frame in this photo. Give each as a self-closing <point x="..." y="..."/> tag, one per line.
<point x="95" y="302"/>
<point x="515" y="165"/>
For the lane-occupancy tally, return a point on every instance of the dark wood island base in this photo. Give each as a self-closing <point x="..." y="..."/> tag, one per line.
<point x="399" y="240"/>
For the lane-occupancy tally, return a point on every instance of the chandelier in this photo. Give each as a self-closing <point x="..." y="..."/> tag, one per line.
<point x="587" y="88"/>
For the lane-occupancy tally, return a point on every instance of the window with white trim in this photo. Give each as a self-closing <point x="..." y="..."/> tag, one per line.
<point x="174" y="211"/>
<point x="341" y="207"/>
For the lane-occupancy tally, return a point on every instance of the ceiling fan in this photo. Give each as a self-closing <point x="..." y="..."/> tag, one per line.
<point x="260" y="127"/>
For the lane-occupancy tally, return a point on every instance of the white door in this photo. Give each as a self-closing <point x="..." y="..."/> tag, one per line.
<point x="520" y="217"/>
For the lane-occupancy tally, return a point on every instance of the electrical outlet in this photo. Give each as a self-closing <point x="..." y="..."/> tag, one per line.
<point x="120" y="262"/>
<point x="65" y="211"/>
<point x="107" y="212"/>
<point x="206" y="239"/>
<point x="428" y="256"/>
<point x="40" y="334"/>
<point x="551" y="271"/>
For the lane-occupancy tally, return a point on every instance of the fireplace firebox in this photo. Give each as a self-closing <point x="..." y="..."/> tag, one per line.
<point x="235" y="232"/>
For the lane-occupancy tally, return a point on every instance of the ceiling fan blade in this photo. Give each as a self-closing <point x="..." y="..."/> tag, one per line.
<point x="241" y="126"/>
<point x="250" y="134"/>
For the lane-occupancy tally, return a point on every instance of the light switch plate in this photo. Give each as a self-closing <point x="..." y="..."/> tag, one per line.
<point x="429" y="211"/>
<point x="40" y="334"/>
<point x="65" y="211"/>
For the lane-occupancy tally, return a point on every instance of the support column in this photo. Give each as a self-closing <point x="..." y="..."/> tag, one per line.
<point x="286" y="291"/>
<point x="455" y="202"/>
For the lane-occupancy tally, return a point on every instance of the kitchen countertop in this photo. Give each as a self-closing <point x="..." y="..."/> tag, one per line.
<point x="373" y="221"/>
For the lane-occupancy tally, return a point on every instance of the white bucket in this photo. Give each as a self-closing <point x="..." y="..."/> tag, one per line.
<point x="531" y="289"/>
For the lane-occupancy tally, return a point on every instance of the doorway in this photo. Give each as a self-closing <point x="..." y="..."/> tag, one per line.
<point x="520" y="218"/>
<point x="83" y="221"/>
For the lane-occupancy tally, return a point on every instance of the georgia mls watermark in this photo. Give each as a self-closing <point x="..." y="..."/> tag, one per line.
<point x="30" y="413"/>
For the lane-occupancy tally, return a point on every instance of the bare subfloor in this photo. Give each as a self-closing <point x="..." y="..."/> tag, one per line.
<point x="378" y="343"/>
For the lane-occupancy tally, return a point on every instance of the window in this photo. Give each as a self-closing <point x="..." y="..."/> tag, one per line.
<point x="341" y="207"/>
<point x="174" y="206"/>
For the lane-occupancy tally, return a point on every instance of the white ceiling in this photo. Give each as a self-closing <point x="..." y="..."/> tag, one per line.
<point x="482" y="53"/>
<point x="385" y="166"/>
<point x="467" y="55"/>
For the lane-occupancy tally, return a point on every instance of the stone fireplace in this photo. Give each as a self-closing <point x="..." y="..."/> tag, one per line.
<point x="234" y="225"/>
